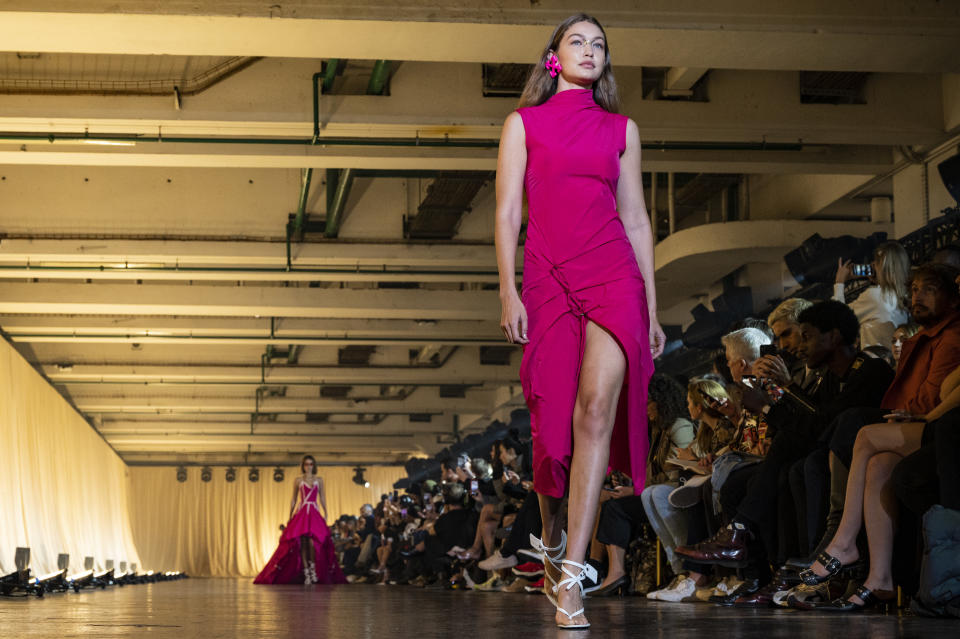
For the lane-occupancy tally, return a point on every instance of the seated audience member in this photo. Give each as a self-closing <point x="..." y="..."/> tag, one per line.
<point x="715" y="433"/>
<point x="869" y="498"/>
<point x="516" y="483"/>
<point x="785" y="324"/>
<point x="454" y="528"/>
<point x="829" y="331"/>
<point x="901" y="335"/>
<point x="622" y="515"/>
<point x="882" y="306"/>
<point x="486" y="497"/>
<point x="925" y="361"/>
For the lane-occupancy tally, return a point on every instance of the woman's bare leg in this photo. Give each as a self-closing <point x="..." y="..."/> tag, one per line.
<point x="616" y="556"/>
<point x="895" y="437"/>
<point x="601" y="376"/>
<point x="880" y="516"/>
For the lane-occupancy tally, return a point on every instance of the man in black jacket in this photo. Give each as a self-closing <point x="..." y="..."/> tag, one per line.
<point x="796" y="419"/>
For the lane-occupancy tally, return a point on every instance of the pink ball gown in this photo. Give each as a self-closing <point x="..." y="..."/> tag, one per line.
<point x="579" y="267"/>
<point x="285" y="566"/>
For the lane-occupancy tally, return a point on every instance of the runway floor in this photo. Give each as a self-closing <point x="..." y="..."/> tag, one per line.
<point x="211" y="608"/>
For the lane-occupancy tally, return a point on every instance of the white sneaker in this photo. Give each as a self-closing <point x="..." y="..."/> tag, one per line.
<point x="496" y="561"/>
<point x="686" y="590"/>
<point x="655" y="594"/>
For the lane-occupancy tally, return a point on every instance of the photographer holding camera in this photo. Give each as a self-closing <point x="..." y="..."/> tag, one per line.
<point x="882" y="306"/>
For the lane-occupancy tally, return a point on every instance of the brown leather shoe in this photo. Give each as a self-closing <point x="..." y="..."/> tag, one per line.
<point x="727" y="548"/>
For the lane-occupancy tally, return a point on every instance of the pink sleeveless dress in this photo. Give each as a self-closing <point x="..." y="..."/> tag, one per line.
<point x="579" y="266"/>
<point x="285" y="566"/>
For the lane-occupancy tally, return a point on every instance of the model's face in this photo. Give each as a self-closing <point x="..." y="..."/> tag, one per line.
<point x="582" y="53"/>
<point x="788" y="336"/>
<point x="308" y="467"/>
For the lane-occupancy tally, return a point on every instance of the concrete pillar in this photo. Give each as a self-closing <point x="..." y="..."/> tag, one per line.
<point x="908" y="200"/>
<point x="881" y="210"/>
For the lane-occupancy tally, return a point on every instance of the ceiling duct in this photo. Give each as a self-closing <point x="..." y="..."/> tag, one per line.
<point x="448" y="198"/>
<point x="84" y="74"/>
<point x="833" y="87"/>
<point x="504" y="80"/>
<point x="355" y="355"/>
<point x="496" y="355"/>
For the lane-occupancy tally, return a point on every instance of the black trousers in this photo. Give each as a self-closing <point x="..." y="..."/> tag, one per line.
<point x="526" y="523"/>
<point x="620" y="521"/>
<point x="810" y="487"/>
<point x="761" y="503"/>
<point x="947" y="436"/>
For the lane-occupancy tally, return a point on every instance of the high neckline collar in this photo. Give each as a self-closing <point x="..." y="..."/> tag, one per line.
<point x="574" y="95"/>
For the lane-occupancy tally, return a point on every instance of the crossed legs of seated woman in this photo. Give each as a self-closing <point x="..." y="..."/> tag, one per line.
<point x="870" y="502"/>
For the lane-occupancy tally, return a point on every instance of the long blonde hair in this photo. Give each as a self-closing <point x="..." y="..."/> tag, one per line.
<point x="893" y="273"/>
<point x="715" y="391"/>
<point x="540" y="86"/>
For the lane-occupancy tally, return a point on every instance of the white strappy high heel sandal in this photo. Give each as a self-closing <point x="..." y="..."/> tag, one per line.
<point x="549" y="585"/>
<point x="586" y="571"/>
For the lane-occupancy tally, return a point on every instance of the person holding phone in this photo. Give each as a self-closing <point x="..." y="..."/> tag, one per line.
<point x="882" y="306"/>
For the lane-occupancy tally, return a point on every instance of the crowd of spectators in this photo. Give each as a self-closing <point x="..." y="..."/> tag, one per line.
<point x="800" y="471"/>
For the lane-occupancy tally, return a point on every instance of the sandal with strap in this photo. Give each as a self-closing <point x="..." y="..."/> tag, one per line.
<point x="829" y="562"/>
<point x="884" y="599"/>
<point x="586" y="571"/>
<point x="549" y="585"/>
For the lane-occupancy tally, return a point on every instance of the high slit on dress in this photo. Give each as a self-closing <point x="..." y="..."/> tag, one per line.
<point x="579" y="267"/>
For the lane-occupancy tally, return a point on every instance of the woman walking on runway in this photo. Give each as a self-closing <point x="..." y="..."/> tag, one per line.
<point x="587" y="314"/>
<point x="306" y="538"/>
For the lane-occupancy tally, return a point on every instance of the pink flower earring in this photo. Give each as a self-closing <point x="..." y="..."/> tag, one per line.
<point x="553" y="65"/>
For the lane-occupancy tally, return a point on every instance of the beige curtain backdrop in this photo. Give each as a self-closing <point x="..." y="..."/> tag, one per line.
<point x="230" y="529"/>
<point x="62" y="488"/>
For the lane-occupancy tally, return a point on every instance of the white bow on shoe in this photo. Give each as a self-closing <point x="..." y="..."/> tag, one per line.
<point x="586" y="571"/>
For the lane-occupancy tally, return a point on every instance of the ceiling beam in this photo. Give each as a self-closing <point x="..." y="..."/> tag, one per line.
<point x="474" y="402"/>
<point x="452" y="373"/>
<point x="246" y="301"/>
<point x="811" y="159"/>
<point x="905" y="43"/>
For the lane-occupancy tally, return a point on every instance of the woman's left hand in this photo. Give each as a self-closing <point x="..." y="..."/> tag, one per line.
<point x="658" y="340"/>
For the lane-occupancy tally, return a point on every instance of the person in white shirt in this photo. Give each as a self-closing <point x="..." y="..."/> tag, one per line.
<point x="880" y="307"/>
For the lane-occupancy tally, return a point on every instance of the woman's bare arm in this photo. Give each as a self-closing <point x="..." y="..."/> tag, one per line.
<point x="511" y="166"/>
<point x="636" y="222"/>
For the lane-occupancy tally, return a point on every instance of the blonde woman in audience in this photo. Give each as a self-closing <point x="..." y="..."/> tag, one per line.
<point x="882" y="306"/>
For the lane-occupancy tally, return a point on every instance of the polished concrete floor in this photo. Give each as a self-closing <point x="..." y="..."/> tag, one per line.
<point x="211" y="608"/>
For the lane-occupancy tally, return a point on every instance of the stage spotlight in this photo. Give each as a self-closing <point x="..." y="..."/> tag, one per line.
<point x="358" y="477"/>
<point x="80" y="580"/>
<point x="231" y="474"/>
<point x="254" y="474"/>
<point x="278" y="474"/>
<point x="182" y="474"/>
<point x="206" y="474"/>
<point x="950" y="174"/>
<point x="21" y="558"/>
